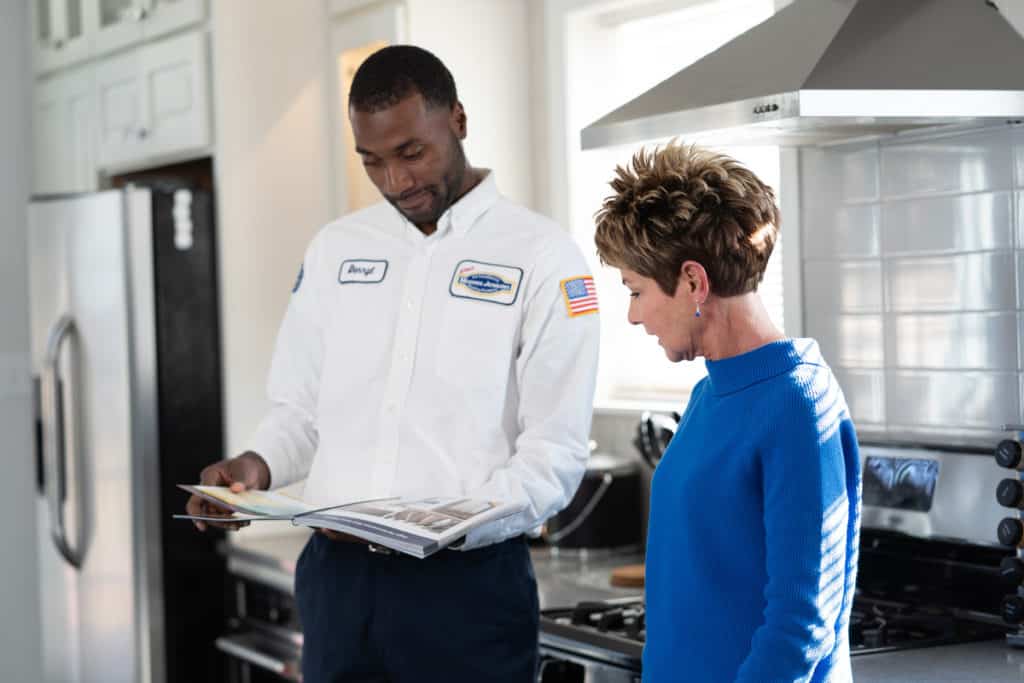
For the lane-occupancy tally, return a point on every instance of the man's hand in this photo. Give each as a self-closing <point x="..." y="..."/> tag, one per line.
<point x="247" y="471"/>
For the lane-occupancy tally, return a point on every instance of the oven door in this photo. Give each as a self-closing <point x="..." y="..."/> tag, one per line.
<point x="562" y="661"/>
<point x="262" y="653"/>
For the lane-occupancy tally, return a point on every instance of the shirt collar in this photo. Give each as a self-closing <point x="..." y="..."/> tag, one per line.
<point x="775" y="358"/>
<point x="461" y="216"/>
<point x="464" y="213"/>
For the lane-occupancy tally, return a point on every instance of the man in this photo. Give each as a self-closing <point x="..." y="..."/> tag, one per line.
<point x="443" y="342"/>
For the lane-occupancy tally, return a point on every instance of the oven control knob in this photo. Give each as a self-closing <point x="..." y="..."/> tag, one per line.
<point x="1011" y="532"/>
<point x="1013" y="609"/>
<point x="1010" y="493"/>
<point x="1011" y="571"/>
<point x="1008" y="454"/>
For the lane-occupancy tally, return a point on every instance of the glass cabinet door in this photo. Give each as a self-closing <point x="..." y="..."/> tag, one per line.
<point x="43" y="23"/>
<point x="114" y="12"/>
<point x="59" y="33"/>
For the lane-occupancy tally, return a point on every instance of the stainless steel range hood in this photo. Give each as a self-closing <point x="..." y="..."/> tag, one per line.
<point x="822" y="71"/>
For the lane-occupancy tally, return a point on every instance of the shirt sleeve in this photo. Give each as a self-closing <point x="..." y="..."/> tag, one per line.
<point x="556" y="371"/>
<point x="807" y="519"/>
<point x="287" y="436"/>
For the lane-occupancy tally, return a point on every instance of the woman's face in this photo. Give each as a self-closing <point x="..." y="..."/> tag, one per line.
<point x="669" y="318"/>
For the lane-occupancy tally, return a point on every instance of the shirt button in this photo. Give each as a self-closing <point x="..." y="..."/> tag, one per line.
<point x="409" y="304"/>
<point x="390" y="406"/>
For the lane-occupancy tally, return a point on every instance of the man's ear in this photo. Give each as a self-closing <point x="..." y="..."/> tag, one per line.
<point x="458" y="120"/>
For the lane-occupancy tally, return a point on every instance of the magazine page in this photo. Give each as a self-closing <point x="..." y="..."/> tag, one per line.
<point x="423" y="523"/>
<point x="248" y="505"/>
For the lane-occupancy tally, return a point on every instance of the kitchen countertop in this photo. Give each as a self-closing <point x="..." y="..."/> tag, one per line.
<point x="991" y="660"/>
<point x="565" y="578"/>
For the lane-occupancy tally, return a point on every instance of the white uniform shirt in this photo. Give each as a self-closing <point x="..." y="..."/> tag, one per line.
<point x="457" y="364"/>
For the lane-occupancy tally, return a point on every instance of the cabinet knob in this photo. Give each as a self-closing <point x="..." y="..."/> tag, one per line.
<point x="143" y="133"/>
<point x="58" y="43"/>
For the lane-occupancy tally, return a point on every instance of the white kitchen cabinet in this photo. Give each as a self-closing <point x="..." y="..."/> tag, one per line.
<point x="153" y="103"/>
<point x="60" y="33"/>
<point x="118" y="24"/>
<point x="64" y="119"/>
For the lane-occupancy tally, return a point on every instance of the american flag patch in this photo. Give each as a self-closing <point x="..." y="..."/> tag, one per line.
<point x="580" y="295"/>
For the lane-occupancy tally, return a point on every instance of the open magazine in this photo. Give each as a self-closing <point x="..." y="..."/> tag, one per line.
<point x="418" y="527"/>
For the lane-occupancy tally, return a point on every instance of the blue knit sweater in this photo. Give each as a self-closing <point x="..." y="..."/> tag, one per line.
<point x="753" y="536"/>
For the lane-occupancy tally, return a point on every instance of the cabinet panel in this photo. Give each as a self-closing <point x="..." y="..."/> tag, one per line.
<point x="121" y="123"/>
<point x="153" y="102"/>
<point x="175" y="84"/>
<point x="64" y="125"/>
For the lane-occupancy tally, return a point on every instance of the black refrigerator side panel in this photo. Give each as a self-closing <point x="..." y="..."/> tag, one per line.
<point x="191" y="432"/>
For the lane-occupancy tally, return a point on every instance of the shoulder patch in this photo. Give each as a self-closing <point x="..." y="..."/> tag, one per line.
<point x="486" y="282"/>
<point x="298" y="278"/>
<point x="580" y="295"/>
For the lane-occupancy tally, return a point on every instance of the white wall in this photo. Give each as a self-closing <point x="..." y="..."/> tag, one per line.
<point x="486" y="46"/>
<point x="272" y="166"/>
<point x="19" y="645"/>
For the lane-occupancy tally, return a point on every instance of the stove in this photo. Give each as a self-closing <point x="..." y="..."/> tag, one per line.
<point x="928" y="574"/>
<point x="608" y="636"/>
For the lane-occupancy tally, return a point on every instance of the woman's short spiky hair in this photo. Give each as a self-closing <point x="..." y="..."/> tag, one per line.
<point x="680" y="203"/>
<point x="393" y="73"/>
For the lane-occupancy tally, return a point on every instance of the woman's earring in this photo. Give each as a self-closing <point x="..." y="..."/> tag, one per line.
<point x="697" y="314"/>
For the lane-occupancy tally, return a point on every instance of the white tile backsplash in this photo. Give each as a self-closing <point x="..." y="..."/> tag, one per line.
<point x="1019" y="220"/>
<point x="973" y="222"/>
<point x="853" y="341"/>
<point x="944" y="398"/>
<point x="1018" y="154"/>
<point x="975" y="162"/>
<point x="913" y="279"/>
<point x="983" y="281"/>
<point x="855" y="233"/>
<point x="843" y="287"/>
<point x="982" y="341"/>
<point x="865" y="394"/>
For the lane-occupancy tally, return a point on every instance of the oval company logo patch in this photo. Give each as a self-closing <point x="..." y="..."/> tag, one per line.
<point x="486" y="282"/>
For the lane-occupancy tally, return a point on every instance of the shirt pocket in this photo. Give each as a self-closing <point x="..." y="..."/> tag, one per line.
<point x="477" y="343"/>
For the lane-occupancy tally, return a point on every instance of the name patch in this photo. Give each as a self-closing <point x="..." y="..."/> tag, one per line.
<point x="486" y="282"/>
<point x="365" y="271"/>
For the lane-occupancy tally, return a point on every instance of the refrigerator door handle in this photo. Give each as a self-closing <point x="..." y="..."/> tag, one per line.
<point x="54" y="444"/>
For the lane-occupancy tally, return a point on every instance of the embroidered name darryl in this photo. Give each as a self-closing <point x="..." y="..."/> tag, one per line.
<point x="360" y="270"/>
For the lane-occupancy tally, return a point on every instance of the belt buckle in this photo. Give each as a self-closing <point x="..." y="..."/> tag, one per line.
<point x="379" y="549"/>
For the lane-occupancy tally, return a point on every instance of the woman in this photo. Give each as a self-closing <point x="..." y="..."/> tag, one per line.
<point x="755" y="506"/>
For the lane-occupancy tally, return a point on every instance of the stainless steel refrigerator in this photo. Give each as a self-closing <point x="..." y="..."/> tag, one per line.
<point x="125" y="355"/>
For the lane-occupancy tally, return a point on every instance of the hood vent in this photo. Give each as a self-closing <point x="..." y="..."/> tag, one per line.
<point x="822" y="71"/>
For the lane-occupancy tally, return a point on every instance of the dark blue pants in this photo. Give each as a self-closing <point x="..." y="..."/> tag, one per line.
<point x="455" y="616"/>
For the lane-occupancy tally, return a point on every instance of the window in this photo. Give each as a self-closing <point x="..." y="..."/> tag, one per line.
<point x="613" y="56"/>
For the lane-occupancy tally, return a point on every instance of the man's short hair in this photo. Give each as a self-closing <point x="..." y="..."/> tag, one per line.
<point x="680" y="203"/>
<point x="393" y="73"/>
